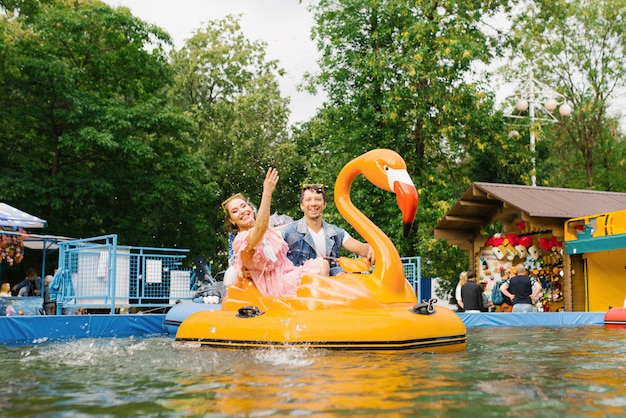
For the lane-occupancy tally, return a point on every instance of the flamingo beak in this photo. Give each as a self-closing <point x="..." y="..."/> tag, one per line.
<point x="406" y="194"/>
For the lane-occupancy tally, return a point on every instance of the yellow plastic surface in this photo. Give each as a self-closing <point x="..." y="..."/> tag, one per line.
<point x="600" y="225"/>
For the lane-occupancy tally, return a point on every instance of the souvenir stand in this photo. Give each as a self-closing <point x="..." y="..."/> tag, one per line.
<point x="530" y="224"/>
<point x="541" y="254"/>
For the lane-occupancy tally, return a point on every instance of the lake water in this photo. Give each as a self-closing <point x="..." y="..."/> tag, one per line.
<point x="538" y="372"/>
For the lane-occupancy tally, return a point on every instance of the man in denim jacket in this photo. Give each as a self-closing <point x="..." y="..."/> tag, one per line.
<point x="312" y="237"/>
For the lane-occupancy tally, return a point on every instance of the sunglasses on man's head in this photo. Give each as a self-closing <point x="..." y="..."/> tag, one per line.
<point x="317" y="188"/>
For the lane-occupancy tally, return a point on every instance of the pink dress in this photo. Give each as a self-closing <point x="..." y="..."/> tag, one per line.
<point x="272" y="272"/>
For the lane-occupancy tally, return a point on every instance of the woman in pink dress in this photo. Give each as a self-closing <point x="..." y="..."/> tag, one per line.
<point x="261" y="250"/>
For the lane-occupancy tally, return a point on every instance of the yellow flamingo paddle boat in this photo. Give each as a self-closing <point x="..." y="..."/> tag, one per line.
<point x="364" y="309"/>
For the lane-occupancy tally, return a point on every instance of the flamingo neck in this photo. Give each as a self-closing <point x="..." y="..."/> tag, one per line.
<point x="388" y="266"/>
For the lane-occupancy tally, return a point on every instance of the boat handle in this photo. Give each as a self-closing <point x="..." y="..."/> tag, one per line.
<point x="249" y="312"/>
<point x="425" y="308"/>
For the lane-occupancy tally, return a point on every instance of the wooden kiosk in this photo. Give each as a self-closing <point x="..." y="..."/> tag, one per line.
<point x="538" y="212"/>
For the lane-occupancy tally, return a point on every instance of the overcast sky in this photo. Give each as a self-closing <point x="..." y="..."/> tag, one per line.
<point x="285" y="25"/>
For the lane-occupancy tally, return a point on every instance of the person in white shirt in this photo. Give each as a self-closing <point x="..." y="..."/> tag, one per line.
<point x="312" y="237"/>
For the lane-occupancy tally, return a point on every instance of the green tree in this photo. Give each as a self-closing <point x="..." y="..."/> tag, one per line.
<point x="231" y="90"/>
<point x="88" y="141"/>
<point x="578" y="48"/>
<point x="398" y="74"/>
<point x="24" y="7"/>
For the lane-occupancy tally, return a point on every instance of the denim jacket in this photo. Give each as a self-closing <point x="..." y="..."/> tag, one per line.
<point x="302" y="247"/>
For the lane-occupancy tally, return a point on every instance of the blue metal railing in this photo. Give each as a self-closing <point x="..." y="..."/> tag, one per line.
<point x="98" y="273"/>
<point x="413" y="273"/>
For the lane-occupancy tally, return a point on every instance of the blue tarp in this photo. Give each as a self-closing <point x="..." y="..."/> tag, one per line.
<point x="535" y="319"/>
<point x="40" y="329"/>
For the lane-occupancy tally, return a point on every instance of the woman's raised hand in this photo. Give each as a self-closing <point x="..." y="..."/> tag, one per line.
<point x="271" y="179"/>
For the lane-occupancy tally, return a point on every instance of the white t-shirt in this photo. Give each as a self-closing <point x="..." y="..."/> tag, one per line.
<point x="319" y="238"/>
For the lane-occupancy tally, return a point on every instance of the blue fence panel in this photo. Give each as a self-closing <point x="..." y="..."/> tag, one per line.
<point x="413" y="273"/>
<point x="97" y="273"/>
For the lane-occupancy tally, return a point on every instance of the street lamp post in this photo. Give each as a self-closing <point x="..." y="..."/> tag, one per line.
<point x="540" y="101"/>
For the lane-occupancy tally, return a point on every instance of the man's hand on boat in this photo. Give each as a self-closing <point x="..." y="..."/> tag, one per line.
<point x="353" y="265"/>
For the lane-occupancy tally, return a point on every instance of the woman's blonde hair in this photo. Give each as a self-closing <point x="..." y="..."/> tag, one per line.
<point x="230" y="226"/>
<point x="463" y="278"/>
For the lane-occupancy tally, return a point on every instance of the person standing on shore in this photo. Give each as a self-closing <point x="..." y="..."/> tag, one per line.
<point x="457" y="291"/>
<point x="472" y="295"/>
<point x="507" y="304"/>
<point x="522" y="290"/>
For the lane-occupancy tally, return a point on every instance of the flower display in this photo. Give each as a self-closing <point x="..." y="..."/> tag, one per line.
<point x="11" y="249"/>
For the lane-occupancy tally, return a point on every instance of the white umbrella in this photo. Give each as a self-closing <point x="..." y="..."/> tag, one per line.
<point x="13" y="217"/>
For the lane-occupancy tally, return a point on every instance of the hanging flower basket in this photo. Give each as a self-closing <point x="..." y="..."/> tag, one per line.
<point x="11" y="249"/>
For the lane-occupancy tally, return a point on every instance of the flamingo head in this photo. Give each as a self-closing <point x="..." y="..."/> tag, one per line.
<point x="386" y="169"/>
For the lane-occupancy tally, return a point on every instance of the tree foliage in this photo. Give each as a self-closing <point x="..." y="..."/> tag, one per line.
<point x="88" y="141"/>
<point x="104" y="132"/>
<point x="231" y="90"/>
<point x="398" y="74"/>
<point x="578" y="48"/>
